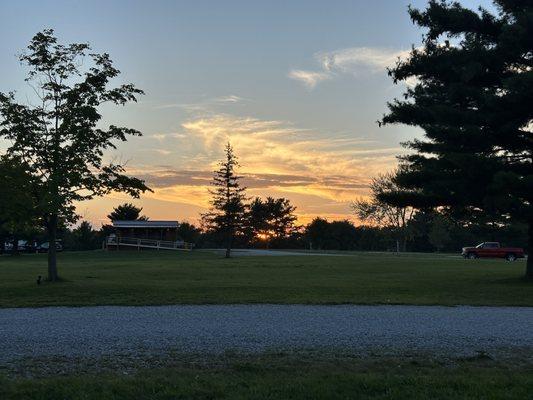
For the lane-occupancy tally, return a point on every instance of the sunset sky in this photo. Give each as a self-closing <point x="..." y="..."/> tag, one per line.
<point x="295" y="86"/>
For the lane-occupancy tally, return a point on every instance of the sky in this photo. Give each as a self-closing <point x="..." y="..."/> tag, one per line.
<point x="295" y="86"/>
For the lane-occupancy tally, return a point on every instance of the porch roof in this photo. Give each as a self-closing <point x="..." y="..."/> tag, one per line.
<point x="145" y="224"/>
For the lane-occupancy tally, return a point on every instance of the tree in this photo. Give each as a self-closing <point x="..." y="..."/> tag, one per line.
<point x="472" y="99"/>
<point x="439" y="233"/>
<point x="188" y="232"/>
<point x="18" y="206"/>
<point x="83" y="237"/>
<point x="271" y="219"/>
<point x="316" y="233"/>
<point x="227" y="211"/>
<point x="381" y="213"/>
<point x="335" y="235"/>
<point x="127" y="212"/>
<point x="342" y="235"/>
<point x="60" y="138"/>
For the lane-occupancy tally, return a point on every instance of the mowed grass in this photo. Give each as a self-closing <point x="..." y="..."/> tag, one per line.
<point x="151" y="277"/>
<point x="255" y="380"/>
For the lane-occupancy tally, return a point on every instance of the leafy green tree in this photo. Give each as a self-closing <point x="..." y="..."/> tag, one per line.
<point x="473" y="96"/>
<point x="18" y="204"/>
<point x="127" y="212"/>
<point x="60" y="138"/>
<point x="378" y="212"/>
<point x="227" y="213"/>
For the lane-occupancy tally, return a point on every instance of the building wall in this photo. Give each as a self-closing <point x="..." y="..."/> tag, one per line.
<point x="169" y="234"/>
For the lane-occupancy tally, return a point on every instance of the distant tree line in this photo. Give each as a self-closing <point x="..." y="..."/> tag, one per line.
<point x="428" y="232"/>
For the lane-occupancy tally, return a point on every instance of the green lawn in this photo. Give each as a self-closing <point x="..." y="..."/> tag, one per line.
<point x="284" y="380"/>
<point x="135" y="278"/>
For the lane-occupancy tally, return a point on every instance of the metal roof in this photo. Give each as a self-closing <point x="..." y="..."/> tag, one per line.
<point x="145" y="224"/>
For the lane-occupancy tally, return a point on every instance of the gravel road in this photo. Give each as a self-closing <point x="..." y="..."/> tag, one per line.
<point x="214" y="329"/>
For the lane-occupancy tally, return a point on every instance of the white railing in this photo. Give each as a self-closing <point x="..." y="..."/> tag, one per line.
<point x="147" y="243"/>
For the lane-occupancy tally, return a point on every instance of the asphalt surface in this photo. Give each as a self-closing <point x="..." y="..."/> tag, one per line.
<point x="273" y="253"/>
<point x="215" y="329"/>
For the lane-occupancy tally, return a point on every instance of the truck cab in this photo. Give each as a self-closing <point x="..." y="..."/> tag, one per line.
<point x="492" y="250"/>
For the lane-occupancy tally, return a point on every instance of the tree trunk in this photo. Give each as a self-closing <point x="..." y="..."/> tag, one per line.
<point x="52" y="259"/>
<point x="15" y="248"/>
<point x="529" y="265"/>
<point x="229" y="240"/>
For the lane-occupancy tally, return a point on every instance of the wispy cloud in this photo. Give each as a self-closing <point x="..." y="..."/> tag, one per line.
<point x="204" y="105"/>
<point x="356" y="61"/>
<point x="309" y="78"/>
<point x="163" y="136"/>
<point x="360" y="59"/>
<point x="228" y="99"/>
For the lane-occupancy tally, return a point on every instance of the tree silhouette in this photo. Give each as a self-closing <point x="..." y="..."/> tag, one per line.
<point x="18" y="203"/>
<point x="473" y="96"/>
<point x="127" y="212"/>
<point x="59" y="138"/>
<point x="271" y="219"/>
<point x="380" y="213"/>
<point x="227" y="211"/>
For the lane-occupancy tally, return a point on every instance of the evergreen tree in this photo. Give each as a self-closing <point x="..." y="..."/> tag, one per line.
<point x="227" y="212"/>
<point x="439" y="233"/>
<point x="59" y="138"/>
<point x="473" y="97"/>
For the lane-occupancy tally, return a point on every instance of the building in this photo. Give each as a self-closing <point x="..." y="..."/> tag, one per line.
<point x="154" y="230"/>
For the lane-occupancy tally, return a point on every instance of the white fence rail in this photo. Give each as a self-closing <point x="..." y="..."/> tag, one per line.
<point x="115" y="241"/>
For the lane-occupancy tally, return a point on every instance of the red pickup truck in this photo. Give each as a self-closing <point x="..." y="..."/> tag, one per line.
<point x="494" y="250"/>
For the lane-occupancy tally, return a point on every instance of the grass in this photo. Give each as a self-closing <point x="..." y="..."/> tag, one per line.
<point x="282" y="379"/>
<point x="141" y="278"/>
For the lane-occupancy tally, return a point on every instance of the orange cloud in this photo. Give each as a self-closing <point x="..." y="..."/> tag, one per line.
<point x="320" y="175"/>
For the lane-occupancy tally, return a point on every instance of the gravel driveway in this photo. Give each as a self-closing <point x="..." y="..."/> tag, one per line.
<point x="214" y="329"/>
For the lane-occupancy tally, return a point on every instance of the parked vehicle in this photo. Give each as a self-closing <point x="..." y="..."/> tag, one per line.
<point x="43" y="247"/>
<point x="492" y="250"/>
<point x="23" y="246"/>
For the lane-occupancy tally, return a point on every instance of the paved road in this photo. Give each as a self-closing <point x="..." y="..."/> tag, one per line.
<point x="273" y="253"/>
<point x="108" y="331"/>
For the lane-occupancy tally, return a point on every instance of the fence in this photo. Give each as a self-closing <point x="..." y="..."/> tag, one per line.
<point x="117" y="242"/>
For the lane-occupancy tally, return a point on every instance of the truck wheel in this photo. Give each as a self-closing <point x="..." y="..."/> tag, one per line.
<point x="510" y="257"/>
<point x="471" y="256"/>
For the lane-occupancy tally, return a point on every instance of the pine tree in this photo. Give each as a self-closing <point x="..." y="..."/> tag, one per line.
<point x="473" y="97"/>
<point x="227" y="212"/>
